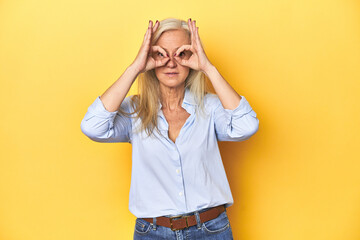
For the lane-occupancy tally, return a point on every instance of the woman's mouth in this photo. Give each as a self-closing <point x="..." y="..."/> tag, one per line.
<point x="172" y="74"/>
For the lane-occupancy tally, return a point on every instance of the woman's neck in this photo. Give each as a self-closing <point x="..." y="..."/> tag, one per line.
<point x="171" y="97"/>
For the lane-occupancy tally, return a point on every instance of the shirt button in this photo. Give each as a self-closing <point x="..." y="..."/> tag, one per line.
<point x="177" y="170"/>
<point x="180" y="193"/>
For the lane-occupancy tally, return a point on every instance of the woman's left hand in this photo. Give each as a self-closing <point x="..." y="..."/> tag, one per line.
<point x="198" y="59"/>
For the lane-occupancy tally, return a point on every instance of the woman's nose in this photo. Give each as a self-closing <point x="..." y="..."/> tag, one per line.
<point x="172" y="61"/>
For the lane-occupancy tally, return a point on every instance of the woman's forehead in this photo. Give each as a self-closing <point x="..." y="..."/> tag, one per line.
<point x="173" y="39"/>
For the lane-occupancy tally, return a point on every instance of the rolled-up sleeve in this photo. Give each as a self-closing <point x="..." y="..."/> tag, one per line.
<point x="238" y="124"/>
<point x="100" y="125"/>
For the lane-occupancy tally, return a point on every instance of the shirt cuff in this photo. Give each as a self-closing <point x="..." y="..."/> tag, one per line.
<point x="242" y="109"/>
<point x="98" y="109"/>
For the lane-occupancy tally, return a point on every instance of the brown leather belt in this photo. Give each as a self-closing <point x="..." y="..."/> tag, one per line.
<point x="189" y="220"/>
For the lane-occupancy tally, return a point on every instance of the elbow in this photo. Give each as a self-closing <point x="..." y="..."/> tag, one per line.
<point x="87" y="130"/>
<point x="92" y="132"/>
<point x="252" y="125"/>
<point x="244" y="133"/>
<point x="254" y="128"/>
<point x="251" y="131"/>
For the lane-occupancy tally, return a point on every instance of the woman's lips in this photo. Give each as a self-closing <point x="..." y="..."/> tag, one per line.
<point x="171" y="74"/>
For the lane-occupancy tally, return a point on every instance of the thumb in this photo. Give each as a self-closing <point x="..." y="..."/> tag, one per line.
<point x="164" y="61"/>
<point x="181" y="61"/>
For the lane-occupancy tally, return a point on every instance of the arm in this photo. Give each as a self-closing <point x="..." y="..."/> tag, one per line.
<point x="101" y="125"/>
<point x="143" y="62"/>
<point x="238" y="124"/>
<point x="115" y="94"/>
<point x="234" y="118"/>
<point x="229" y="97"/>
<point x="102" y="122"/>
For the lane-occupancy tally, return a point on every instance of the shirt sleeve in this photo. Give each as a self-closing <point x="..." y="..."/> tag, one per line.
<point x="238" y="124"/>
<point x="100" y="125"/>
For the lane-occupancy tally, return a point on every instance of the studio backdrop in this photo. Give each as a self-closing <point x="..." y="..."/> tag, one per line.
<point x="297" y="63"/>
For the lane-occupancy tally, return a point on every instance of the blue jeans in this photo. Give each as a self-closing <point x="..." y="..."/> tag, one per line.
<point x="214" y="229"/>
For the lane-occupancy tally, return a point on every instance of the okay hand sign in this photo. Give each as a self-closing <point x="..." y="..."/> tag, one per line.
<point x="145" y="59"/>
<point x="198" y="59"/>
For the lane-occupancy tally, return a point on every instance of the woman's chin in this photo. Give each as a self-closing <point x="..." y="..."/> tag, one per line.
<point x="172" y="83"/>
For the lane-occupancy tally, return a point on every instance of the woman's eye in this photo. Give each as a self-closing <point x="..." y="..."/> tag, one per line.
<point x="159" y="53"/>
<point x="181" y="53"/>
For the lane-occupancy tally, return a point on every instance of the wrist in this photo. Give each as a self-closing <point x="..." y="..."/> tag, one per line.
<point x="132" y="69"/>
<point x="209" y="69"/>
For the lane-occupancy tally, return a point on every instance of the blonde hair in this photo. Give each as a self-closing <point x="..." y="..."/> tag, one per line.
<point x="146" y="103"/>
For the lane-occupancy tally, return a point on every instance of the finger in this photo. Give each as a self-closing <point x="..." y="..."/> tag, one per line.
<point x="182" y="61"/>
<point x="150" y="28"/>
<point x="159" y="49"/>
<point x="182" y="48"/>
<point x="148" y="36"/>
<point x="144" y="46"/>
<point x="150" y="25"/>
<point x="197" y="41"/>
<point x="153" y="29"/>
<point x="191" y="30"/>
<point x="162" y="62"/>
<point x="194" y="29"/>
<point x="198" y="37"/>
<point x="146" y="42"/>
<point x="195" y="32"/>
<point x="147" y="33"/>
<point x="156" y="26"/>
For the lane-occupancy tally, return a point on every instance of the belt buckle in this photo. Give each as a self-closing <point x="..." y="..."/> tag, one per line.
<point x="171" y="218"/>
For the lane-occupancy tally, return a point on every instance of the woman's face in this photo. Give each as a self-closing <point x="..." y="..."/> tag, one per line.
<point x="170" y="41"/>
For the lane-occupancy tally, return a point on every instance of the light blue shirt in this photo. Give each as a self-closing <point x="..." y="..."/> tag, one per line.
<point x="170" y="178"/>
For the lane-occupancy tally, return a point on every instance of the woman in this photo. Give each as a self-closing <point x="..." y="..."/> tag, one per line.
<point x="178" y="182"/>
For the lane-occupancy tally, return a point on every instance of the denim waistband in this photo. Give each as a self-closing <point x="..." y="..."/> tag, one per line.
<point x="191" y="213"/>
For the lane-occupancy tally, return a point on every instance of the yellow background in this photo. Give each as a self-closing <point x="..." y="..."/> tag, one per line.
<point x="297" y="62"/>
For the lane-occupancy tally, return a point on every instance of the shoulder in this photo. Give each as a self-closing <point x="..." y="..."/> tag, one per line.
<point x="129" y="103"/>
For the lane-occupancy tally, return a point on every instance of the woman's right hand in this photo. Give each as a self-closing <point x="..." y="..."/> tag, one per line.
<point x="145" y="60"/>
